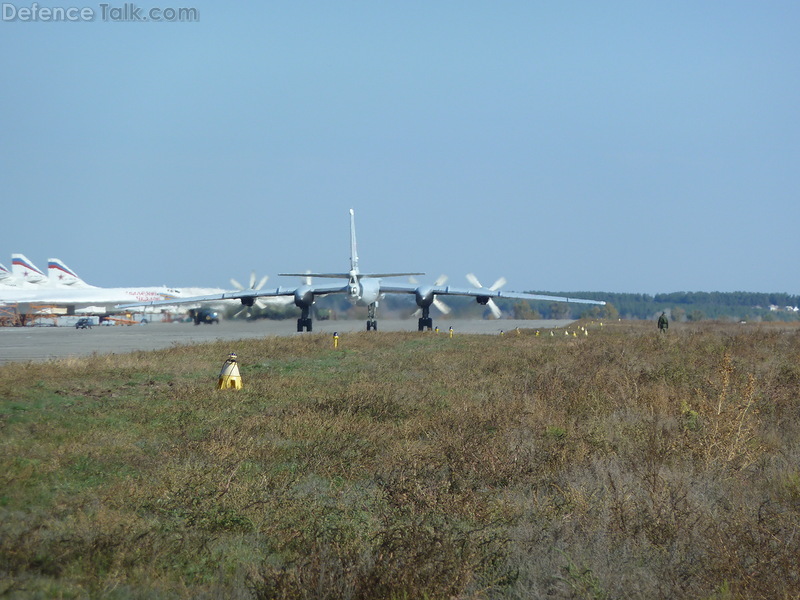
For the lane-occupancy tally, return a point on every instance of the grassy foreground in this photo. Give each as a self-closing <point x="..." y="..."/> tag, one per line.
<point x="622" y="464"/>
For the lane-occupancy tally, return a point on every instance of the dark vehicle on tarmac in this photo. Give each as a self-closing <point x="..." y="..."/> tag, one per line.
<point x="83" y="324"/>
<point x="204" y="315"/>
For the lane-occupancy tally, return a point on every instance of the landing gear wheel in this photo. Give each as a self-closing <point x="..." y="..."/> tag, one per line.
<point x="303" y="324"/>
<point x="425" y="323"/>
<point x="372" y="324"/>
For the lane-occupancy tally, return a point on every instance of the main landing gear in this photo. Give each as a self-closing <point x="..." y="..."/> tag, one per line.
<point x="304" y="322"/>
<point x="425" y="320"/>
<point x="372" y="323"/>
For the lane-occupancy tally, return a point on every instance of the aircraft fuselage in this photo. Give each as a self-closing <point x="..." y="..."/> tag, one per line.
<point x="365" y="290"/>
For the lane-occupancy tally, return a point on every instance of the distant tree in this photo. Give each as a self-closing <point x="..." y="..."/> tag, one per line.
<point x="523" y="310"/>
<point x="559" y="310"/>
<point x="678" y="314"/>
<point x="609" y="311"/>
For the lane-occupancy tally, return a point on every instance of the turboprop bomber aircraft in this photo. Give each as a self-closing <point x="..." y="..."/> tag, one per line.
<point x="366" y="289"/>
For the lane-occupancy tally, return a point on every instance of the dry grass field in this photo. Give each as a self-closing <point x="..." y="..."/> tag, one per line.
<point x="618" y="464"/>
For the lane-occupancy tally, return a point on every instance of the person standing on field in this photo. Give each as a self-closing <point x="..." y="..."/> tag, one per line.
<point x="663" y="323"/>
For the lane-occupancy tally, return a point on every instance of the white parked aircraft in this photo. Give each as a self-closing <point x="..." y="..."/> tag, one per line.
<point x="60" y="275"/>
<point x="367" y="288"/>
<point x="7" y="277"/>
<point x="82" y="299"/>
<point x="26" y="272"/>
<point x="29" y="288"/>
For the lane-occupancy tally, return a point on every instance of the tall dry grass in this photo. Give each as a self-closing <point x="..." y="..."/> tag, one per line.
<point x="622" y="464"/>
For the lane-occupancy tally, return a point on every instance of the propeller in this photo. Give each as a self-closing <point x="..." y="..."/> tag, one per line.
<point x="495" y="286"/>
<point x="256" y="301"/>
<point x="439" y="304"/>
<point x="252" y="285"/>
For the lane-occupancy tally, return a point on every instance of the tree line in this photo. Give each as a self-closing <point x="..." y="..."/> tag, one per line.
<point x="688" y="306"/>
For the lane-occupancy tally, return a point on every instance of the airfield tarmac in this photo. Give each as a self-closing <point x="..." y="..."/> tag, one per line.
<point x="45" y="343"/>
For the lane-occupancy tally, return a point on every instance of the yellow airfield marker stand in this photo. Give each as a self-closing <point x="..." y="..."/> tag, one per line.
<point x="229" y="377"/>
<point x="451" y="331"/>
<point x="335" y="339"/>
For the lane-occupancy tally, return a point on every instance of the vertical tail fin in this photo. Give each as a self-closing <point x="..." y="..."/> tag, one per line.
<point x="61" y="275"/>
<point x="6" y="278"/>
<point x="25" y="270"/>
<point x="353" y="252"/>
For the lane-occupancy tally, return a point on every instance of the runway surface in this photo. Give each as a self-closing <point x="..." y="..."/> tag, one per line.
<point x="45" y="343"/>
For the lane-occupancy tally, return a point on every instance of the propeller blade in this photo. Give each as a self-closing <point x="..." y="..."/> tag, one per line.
<point x="241" y="312"/>
<point x="443" y="308"/>
<point x="262" y="282"/>
<point x="261" y="304"/>
<point x="498" y="284"/>
<point x="474" y="280"/>
<point x="440" y="281"/>
<point x="236" y="284"/>
<point x="252" y="280"/>
<point x="413" y="280"/>
<point x="494" y="308"/>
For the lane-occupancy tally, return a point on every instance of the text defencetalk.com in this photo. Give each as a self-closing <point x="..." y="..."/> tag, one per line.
<point x="127" y="12"/>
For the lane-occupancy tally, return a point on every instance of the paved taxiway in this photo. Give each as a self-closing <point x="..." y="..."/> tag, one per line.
<point x="44" y="343"/>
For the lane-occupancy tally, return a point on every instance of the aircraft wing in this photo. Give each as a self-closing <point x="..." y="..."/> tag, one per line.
<point x="400" y="288"/>
<point x="243" y="295"/>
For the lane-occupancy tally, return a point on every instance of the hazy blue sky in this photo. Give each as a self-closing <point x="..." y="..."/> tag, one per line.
<point x="606" y="146"/>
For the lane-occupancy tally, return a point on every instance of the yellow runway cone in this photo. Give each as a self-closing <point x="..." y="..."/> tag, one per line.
<point x="229" y="377"/>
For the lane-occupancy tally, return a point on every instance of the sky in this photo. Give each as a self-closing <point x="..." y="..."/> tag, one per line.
<point x="619" y="146"/>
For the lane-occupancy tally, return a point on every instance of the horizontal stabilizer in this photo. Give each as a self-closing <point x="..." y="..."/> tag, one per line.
<point x="347" y="275"/>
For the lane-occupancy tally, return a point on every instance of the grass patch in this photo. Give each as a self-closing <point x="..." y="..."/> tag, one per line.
<point x="410" y="465"/>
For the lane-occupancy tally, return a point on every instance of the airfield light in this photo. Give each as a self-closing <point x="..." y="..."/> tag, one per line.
<point x="229" y="377"/>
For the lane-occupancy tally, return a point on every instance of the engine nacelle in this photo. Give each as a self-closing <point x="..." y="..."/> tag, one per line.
<point x="248" y="300"/>
<point x="303" y="297"/>
<point x="423" y="296"/>
<point x="482" y="300"/>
